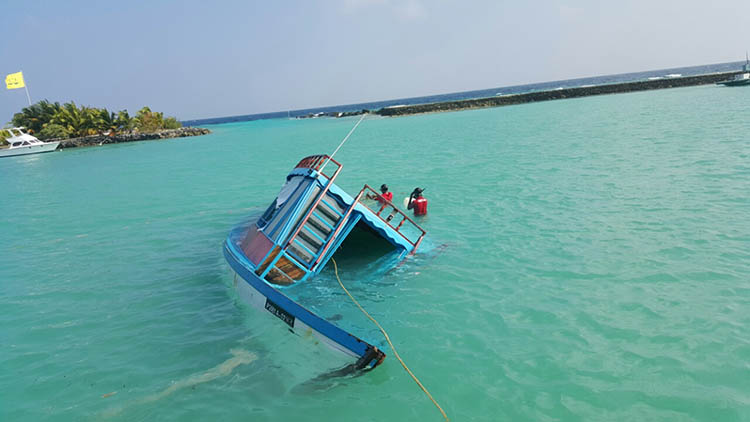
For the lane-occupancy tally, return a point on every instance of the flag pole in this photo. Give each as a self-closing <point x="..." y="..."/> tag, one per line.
<point x="27" y="92"/>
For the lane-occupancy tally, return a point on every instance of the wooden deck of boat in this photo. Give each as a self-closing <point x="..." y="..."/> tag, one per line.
<point x="284" y="273"/>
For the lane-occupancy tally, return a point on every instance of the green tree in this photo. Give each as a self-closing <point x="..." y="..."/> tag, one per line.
<point x="3" y="135"/>
<point x="52" y="130"/>
<point x="107" y="121"/>
<point x="92" y="123"/>
<point x="70" y="119"/>
<point x="171" y="123"/>
<point x="81" y="121"/>
<point x="36" y="115"/>
<point x="110" y="122"/>
<point x="124" y="121"/>
<point x="148" y="121"/>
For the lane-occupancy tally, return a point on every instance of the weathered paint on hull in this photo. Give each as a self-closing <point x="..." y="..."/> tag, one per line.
<point x="299" y="320"/>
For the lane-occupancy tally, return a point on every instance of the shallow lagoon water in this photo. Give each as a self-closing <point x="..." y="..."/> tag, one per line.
<point x="586" y="259"/>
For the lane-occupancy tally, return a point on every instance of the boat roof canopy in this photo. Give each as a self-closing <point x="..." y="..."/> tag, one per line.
<point x="312" y="216"/>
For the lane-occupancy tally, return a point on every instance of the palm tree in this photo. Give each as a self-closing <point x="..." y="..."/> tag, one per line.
<point x="124" y="121"/>
<point x="149" y="121"/>
<point x="71" y="118"/>
<point x="107" y="122"/>
<point x="35" y="116"/>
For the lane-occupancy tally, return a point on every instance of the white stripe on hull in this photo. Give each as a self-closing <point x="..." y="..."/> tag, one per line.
<point x="31" y="149"/>
<point x="257" y="300"/>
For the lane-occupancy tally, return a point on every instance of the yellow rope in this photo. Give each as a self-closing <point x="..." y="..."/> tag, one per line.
<point x="388" y="339"/>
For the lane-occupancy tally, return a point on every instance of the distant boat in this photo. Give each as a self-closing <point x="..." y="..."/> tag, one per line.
<point x="673" y="75"/>
<point x="739" y="79"/>
<point x="21" y="143"/>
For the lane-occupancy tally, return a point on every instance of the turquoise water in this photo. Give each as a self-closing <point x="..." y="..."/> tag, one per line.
<point x="587" y="259"/>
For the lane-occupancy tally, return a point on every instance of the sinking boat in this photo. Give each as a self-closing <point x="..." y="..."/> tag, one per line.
<point x="294" y="239"/>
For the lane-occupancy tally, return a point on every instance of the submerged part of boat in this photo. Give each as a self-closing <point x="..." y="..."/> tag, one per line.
<point x="295" y="238"/>
<point x="21" y="143"/>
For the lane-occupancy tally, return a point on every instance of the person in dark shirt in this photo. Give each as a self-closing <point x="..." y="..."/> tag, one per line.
<point x="417" y="202"/>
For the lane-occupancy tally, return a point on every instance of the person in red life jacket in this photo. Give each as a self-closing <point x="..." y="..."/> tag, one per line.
<point x="417" y="202"/>
<point x="383" y="199"/>
<point x="385" y="196"/>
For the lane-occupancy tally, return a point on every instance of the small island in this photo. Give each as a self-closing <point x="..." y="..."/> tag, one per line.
<point x="76" y="126"/>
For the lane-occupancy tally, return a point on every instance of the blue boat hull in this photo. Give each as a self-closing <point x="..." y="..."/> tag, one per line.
<point x="296" y="236"/>
<point x="265" y="297"/>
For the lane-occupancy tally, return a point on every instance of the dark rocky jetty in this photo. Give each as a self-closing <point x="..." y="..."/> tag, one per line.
<point x="334" y="114"/>
<point x="557" y="94"/>
<point x="95" y="140"/>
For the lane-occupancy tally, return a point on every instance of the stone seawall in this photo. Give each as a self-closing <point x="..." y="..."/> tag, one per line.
<point x="94" y="140"/>
<point x="557" y="94"/>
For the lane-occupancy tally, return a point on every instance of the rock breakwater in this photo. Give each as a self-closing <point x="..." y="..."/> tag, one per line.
<point x="95" y="140"/>
<point x="556" y="94"/>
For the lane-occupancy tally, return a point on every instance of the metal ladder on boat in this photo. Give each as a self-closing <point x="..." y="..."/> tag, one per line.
<point x="293" y="261"/>
<point x="308" y="245"/>
<point x="322" y="221"/>
<point x="318" y="228"/>
<point x="317" y="231"/>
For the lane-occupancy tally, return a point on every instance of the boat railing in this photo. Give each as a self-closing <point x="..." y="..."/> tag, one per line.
<point x="393" y="215"/>
<point x="317" y="162"/>
<point x="405" y="224"/>
<point x="339" y="227"/>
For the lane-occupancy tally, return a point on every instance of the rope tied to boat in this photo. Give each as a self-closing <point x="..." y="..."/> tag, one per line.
<point x="388" y="339"/>
<point x="343" y="142"/>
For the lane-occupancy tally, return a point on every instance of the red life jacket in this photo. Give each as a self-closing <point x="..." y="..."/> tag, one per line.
<point x="386" y="196"/>
<point x="420" y="206"/>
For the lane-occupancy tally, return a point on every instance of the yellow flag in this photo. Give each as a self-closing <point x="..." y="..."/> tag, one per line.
<point x="14" y="80"/>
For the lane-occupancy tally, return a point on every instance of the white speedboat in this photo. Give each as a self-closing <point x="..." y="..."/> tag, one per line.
<point x="21" y="143"/>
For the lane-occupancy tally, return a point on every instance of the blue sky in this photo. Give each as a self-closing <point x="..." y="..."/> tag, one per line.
<point x="197" y="59"/>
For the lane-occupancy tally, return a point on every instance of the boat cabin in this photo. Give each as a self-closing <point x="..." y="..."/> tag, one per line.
<point x="19" y="138"/>
<point x="310" y="219"/>
<point x="745" y="75"/>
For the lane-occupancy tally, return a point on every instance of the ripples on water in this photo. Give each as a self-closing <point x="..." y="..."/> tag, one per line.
<point x="587" y="260"/>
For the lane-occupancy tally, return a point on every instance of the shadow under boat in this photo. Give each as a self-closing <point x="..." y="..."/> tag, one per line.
<point x="311" y="219"/>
